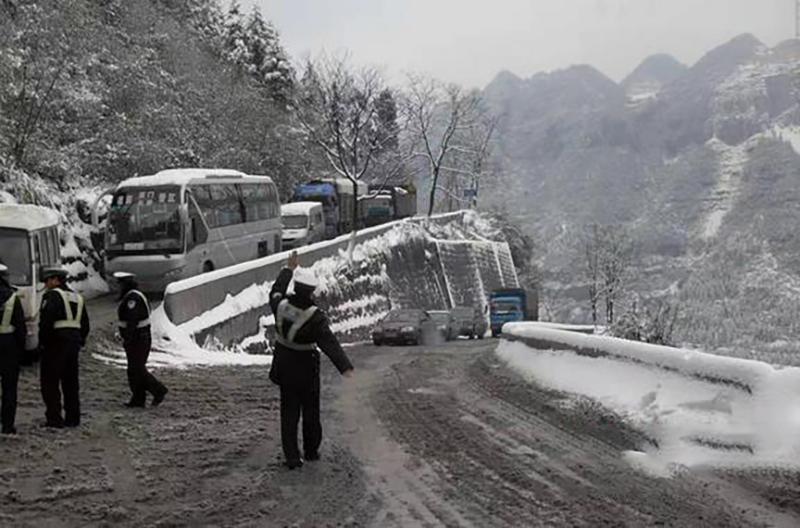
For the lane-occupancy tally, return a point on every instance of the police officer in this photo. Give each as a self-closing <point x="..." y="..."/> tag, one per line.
<point x="63" y="329"/>
<point x="300" y="328"/>
<point x="133" y="314"/>
<point x="12" y="346"/>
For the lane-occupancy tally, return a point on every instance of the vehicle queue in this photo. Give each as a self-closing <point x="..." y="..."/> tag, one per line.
<point x="169" y="226"/>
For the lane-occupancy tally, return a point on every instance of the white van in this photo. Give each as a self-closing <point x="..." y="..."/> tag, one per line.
<point x="303" y="224"/>
<point x="29" y="238"/>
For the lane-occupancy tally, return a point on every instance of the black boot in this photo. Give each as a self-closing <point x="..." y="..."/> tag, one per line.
<point x="293" y="464"/>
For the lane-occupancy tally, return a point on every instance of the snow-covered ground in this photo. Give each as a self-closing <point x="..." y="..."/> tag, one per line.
<point x="693" y="421"/>
<point x="790" y="134"/>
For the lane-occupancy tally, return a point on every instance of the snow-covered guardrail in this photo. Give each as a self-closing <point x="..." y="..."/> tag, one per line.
<point x="740" y="373"/>
<point x="696" y="409"/>
<point x="189" y="298"/>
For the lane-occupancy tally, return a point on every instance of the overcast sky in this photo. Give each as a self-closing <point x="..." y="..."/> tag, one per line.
<point x="469" y="41"/>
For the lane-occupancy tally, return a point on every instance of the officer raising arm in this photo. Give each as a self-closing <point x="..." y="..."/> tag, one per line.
<point x="63" y="329"/>
<point x="301" y="327"/>
<point x="12" y="346"/>
<point x="133" y="314"/>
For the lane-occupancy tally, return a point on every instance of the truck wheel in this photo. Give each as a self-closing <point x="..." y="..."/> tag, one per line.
<point x="208" y="266"/>
<point x="376" y="342"/>
<point x="495" y="333"/>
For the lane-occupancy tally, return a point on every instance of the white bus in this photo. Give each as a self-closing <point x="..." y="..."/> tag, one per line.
<point x="182" y="222"/>
<point x="29" y="242"/>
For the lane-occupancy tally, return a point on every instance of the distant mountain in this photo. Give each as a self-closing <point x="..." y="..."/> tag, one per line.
<point x="647" y="80"/>
<point x="703" y="171"/>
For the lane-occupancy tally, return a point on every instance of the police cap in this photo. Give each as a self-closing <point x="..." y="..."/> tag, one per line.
<point x="124" y="276"/>
<point x="53" y="271"/>
<point x="306" y="277"/>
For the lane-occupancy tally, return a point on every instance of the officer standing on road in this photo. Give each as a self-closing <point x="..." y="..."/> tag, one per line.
<point x="63" y="329"/>
<point x="133" y="314"/>
<point x="12" y="346"/>
<point x="300" y="327"/>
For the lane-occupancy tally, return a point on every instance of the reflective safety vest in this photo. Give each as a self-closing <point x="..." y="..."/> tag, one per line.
<point x="144" y="322"/>
<point x="71" y="320"/>
<point x="298" y="317"/>
<point x="8" y="312"/>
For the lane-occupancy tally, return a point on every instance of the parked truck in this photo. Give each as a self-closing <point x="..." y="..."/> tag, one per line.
<point x="338" y="198"/>
<point x="508" y="305"/>
<point x="385" y="203"/>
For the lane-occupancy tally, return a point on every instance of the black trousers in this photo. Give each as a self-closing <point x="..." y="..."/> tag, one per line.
<point x="58" y="373"/>
<point x="294" y="403"/>
<point x="9" y="376"/>
<point x="140" y="380"/>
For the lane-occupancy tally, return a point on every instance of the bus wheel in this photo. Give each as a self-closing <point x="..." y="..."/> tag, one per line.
<point x="208" y="266"/>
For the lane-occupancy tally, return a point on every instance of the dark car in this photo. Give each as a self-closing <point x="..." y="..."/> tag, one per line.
<point x="445" y="324"/>
<point x="469" y="321"/>
<point x="404" y="327"/>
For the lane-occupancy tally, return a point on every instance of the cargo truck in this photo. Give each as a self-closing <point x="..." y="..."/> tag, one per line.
<point x="508" y="305"/>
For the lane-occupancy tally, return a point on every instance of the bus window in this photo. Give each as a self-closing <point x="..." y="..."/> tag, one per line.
<point x="199" y="234"/>
<point x="250" y="195"/>
<point x="226" y="204"/>
<point x="145" y="220"/>
<point x="202" y="195"/>
<point x="16" y="256"/>
<point x="262" y="196"/>
<point x="274" y="206"/>
<point x="38" y="258"/>
<point x="50" y="249"/>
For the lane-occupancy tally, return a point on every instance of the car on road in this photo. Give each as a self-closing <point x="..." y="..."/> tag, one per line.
<point x="445" y="324"/>
<point x="469" y="321"/>
<point x="403" y="327"/>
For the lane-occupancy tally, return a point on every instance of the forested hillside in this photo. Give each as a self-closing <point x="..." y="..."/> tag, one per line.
<point x="103" y="90"/>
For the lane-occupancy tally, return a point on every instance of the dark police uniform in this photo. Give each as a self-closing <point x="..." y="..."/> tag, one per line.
<point x="63" y="329"/>
<point x="133" y="314"/>
<point x="301" y="327"/>
<point x="12" y="347"/>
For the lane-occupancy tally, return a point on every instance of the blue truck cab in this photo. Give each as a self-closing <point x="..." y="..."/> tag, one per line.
<point x="505" y="306"/>
<point x="324" y="193"/>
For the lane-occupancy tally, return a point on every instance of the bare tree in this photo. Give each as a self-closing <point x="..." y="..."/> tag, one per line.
<point x="439" y="116"/>
<point x="608" y="251"/>
<point x="338" y="108"/>
<point x="591" y="249"/>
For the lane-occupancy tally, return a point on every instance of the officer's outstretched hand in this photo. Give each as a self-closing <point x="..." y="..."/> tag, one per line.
<point x="294" y="261"/>
<point x="348" y="373"/>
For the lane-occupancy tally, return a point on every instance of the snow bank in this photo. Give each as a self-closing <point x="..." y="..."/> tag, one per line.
<point x="694" y="421"/>
<point x="173" y="347"/>
<point x="743" y="374"/>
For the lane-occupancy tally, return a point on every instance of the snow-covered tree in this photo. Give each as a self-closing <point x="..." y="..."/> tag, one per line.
<point x="608" y="250"/>
<point x="253" y="44"/>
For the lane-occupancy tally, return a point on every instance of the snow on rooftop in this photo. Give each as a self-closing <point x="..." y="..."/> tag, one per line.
<point x="179" y="177"/>
<point x="19" y="216"/>
<point x="298" y="208"/>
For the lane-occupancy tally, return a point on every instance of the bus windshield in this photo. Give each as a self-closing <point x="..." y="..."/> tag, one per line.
<point x="145" y="220"/>
<point x="295" y="222"/>
<point x="16" y="255"/>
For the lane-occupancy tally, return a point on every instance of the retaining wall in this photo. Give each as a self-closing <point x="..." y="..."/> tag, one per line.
<point x="399" y="264"/>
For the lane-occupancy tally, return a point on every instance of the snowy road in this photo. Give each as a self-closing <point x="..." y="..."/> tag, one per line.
<point x="441" y="436"/>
